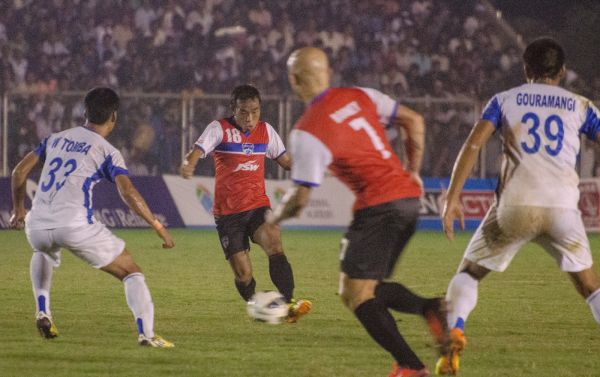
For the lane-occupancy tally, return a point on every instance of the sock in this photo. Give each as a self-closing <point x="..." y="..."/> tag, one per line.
<point x="246" y="290"/>
<point x="41" y="279"/>
<point x="462" y="298"/>
<point x="397" y="297"/>
<point x="140" y="302"/>
<point x="380" y="324"/>
<point x="594" y="302"/>
<point x="281" y="274"/>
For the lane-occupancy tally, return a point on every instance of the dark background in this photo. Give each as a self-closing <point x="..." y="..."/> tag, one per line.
<point x="574" y="23"/>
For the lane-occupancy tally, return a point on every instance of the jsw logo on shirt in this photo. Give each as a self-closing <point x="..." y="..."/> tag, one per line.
<point x="247" y="166"/>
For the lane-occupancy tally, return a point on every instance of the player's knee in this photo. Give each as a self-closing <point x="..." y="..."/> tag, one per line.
<point x="243" y="275"/>
<point x="588" y="287"/>
<point x="476" y="271"/>
<point x="273" y="247"/>
<point x="352" y="299"/>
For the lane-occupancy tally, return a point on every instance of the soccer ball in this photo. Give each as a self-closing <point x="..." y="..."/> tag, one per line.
<point x="268" y="306"/>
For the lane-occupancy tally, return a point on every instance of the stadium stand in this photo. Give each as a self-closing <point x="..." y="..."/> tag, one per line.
<point x="407" y="48"/>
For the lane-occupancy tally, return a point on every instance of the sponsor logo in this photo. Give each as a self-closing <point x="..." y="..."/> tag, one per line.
<point x="247" y="166"/>
<point x="278" y="194"/>
<point x="475" y="203"/>
<point x="205" y="198"/>
<point x="248" y="148"/>
<point x="225" y="242"/>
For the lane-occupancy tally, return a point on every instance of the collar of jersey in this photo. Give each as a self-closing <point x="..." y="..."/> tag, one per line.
<point x="89" y="129"/>
<point x="232" y="121"/>
<point x="319" y="97"/>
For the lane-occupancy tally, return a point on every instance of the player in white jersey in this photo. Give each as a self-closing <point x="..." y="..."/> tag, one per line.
<point x="61" y="213"/>
<point x="540" y="124"/>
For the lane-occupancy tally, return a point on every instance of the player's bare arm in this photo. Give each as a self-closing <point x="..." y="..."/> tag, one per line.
<point x="414" y="126"/>
<point x="134" y="200"/>
<point x="462" y="169"/>
<point x="18" y="186"/>
<point x="190" y="161"/>
<point x="285" y="161"/>
<point x="293" y="202"/>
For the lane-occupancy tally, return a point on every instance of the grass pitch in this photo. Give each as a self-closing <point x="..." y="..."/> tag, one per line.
<point x="529" y="321"/>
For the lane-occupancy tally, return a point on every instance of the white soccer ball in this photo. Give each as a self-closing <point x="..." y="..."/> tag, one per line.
<point x="268" y="306"/>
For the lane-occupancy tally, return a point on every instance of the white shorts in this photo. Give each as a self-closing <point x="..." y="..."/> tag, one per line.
<point x="93" y="243"/>
<point x="505" y="229"/>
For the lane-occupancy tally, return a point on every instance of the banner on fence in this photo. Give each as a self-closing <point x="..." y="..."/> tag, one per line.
<point x="107" y="204"/>
<point x="329" y="206"/>
<point x="179" y="202"/>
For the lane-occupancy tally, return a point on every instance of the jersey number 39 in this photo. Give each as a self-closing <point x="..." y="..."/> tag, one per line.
<point x="553" y="130"/>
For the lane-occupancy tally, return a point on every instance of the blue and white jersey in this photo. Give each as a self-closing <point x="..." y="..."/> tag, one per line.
<point x="540" y="126"/>
<point x="74" y="161"/>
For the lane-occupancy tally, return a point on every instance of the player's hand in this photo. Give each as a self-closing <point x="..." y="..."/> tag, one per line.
<point x="452" y="210"/>
<point x="187" y="169"/>
<point x="416" y="178"/>
<point x="17" y="220"/>
<point x="270" y="217"/>
<point x="168" y="242"/>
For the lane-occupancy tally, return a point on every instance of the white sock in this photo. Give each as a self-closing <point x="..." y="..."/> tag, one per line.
<point x="462" y="298"/>
<point x="594" y="302"/>
<point x="140" y="302"/>
<point x="40" y="271"/>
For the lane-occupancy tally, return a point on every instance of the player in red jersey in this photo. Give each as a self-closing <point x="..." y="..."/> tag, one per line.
<point x="239" y="145"/>
<point x="343" y="129"/>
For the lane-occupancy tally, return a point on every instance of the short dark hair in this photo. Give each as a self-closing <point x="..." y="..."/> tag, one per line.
<point x="544" y="57"/>
<point x="100" y="103"/>
<point x="242" y="93"/>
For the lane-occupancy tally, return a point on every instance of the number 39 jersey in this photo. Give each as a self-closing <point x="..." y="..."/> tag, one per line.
<point x="74" y="161"/>
<point x="239" y="163"/>
<point x="343" y="130"/>
<point x="540" y="126"/>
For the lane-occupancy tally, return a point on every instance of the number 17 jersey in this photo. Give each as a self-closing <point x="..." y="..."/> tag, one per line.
<point x="343" y="130"/>
<point x="540" y="126"/>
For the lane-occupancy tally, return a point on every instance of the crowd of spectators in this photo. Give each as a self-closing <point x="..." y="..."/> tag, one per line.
<point x="407" y="48"/>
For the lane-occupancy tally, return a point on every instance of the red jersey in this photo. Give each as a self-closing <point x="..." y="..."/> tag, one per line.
<point x="342" y="129"/>
<point x="239" y="163"/>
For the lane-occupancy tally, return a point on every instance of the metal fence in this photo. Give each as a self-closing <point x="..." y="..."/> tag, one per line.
<point x="155" y="130"/>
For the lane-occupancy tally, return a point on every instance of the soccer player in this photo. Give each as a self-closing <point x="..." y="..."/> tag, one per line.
<point x="343" y="129"/>
<point x="240" y="144"/>
<point x="61" y="213"/>
<point x="540" y="124"/>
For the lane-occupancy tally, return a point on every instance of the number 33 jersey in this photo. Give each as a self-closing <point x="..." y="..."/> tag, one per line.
<point x="74" y="161"/>
<point x="540" y="126"/>
<point x="239" y="163"/>
<point x="343" y="130"/>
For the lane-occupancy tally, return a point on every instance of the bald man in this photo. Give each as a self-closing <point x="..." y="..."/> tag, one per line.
<point x="343" y="130"/>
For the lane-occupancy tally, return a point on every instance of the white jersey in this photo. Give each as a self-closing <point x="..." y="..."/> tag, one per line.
<point x="540" y="126"/>
<point x="74" y="161"/>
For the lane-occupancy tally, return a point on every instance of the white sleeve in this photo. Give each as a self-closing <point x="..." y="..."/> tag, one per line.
<point x="386" y="106"/>
<point x="275" y="148"/>
<point x="210" y="138"/>
<point x="310" y="158"/>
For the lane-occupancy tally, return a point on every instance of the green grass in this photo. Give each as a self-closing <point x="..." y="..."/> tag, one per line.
<point x="528" y="322"/>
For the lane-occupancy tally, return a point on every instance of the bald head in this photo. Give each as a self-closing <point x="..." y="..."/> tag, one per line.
<point x="308" y="72"/>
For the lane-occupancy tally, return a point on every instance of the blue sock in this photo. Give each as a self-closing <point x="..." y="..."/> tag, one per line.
<point x="42" y="303"/>
<point x="460" y="324"/>
<point x="140" y="325"/>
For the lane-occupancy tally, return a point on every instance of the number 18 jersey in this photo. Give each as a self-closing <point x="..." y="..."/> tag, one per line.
<point x="540" y="126"/>
<point x="74" y="161"/>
